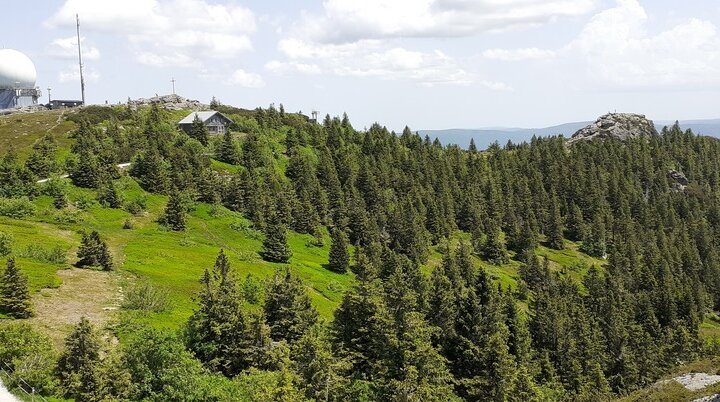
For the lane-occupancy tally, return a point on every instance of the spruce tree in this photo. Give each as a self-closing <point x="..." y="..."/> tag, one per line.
<point x="89" y="250"/>
<point x="14" y="293"/>
<point x="555" y="227"/>
<point x="198" y="130"/>
<point x="108" y="195"/>
<point x="494" y="248"/>
<point x="339" y="256"/>
<point x="227" y="151"/>
<point x="275" y="245"/>
<point x="288" y="309"/>
<point x="218" y="333"/>
<point x="594" y="241"/>
<point x="175" y="213"/>
<point x="575" y="224"/>
<point x="104" y="258"/>
<point x="93" y="251"/>
<point x="78" y="365"/>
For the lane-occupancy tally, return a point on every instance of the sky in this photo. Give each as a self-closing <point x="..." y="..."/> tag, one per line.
<point x="428" y="64"/>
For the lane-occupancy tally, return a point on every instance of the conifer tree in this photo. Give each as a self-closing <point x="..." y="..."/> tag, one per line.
<point x="104" y="258"/>
<point x="227" y="151"/>
<point x="88" y="251"/>
<point x="362" y="326"/>
<point x="275" y="245"/>
<point x="14" y="293"/>
<point x="322" y="372"/>
<point x="93" y="251"/>
<point x="217" y="331"/>
<point x="175" y="213"/>
<point x="108" y="195"/>
<point x="494" y="248"/>
<point x="288" y="309"/>
<point x="339" y="256"/>
<point x="78" y="365"/>
<point x="575" y="224"/>
<point x="41" y="161"/>
<point x="594" y="241"/>
<point x="555" y="226"/>
<point x="198" y="130"/>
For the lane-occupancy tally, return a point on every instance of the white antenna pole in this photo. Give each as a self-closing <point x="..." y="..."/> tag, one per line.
<point x="82" y="80"/>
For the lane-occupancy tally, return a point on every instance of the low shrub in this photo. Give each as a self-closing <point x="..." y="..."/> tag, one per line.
<point x="17" y="208"/>
<point x="53" y="255"/>
<point x="136" y="206"/>
<point x="145" y="297"/>
<point x="28" y="355"/>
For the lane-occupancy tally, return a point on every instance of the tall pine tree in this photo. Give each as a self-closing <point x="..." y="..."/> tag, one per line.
<point x="14" y="293"/>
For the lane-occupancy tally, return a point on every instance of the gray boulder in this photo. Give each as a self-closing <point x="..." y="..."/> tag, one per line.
<point x="621" y="126"/>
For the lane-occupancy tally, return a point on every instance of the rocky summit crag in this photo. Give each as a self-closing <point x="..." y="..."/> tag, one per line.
<point x="616" y="125"/>
<point x="170" y="102"/>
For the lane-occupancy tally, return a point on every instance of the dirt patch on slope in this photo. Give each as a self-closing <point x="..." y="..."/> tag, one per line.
<point x="95" y="295"/>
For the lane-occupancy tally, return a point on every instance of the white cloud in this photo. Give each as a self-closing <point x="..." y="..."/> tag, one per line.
<point x="66" y="48"/>
<point x="72" y="73"/>
<point x="618" y="49"/>
<point x="346" y="21"/>
<point x="284" y="67"/>
<point x="173" y="31"/>
<point x="371" y="58"/>
<point x="531" y="53"/>
<point x="168" y="60"/>
<point x="245" y="79"/>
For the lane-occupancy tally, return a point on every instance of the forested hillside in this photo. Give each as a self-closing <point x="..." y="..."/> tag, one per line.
<point x="293" y="260"/>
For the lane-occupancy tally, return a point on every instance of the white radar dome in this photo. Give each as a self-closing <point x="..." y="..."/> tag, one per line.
<point x="16" y="70"/>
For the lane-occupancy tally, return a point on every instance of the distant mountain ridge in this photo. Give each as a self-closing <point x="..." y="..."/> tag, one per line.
<point x="484" y="137"/>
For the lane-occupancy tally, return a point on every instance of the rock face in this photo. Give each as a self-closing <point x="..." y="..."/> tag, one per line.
<point x="170" y="102"/>
<point x="616" y="125"/>
<point x="679" y="179"/>
<point x="697" y="381"/>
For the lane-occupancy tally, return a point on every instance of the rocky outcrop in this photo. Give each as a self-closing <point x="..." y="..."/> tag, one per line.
<point x="620" y="126"/>
<point x="24" y="109"/>
<point x="697" y="381"/>
<point x="170" y="102"/>
<point x="711" y="398"/>
<point x="679" y="180"/>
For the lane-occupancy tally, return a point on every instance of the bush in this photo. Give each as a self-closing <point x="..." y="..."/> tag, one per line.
<point x="68" y="216"/>
<point x="54" y="255"/>
<point x="136" y="206"/>
<point x="30" y="355"/>
<point x="128" y="224"/>
<point x="17" y="208"/>
<point x="6" y="242"/>
<point x="84" y="202"/>
<point x="146" y="297"/>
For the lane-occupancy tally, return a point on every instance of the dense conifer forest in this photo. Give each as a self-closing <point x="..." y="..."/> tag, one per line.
<point x="384" y="202"/>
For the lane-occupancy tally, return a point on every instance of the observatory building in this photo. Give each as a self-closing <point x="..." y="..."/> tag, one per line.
<point x="17" y="80"/>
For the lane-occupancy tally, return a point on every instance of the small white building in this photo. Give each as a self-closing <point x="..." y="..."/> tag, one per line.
<point x="216" y="122"/>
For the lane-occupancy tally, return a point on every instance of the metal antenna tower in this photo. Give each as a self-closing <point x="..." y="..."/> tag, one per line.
<point x="82" y="80"/>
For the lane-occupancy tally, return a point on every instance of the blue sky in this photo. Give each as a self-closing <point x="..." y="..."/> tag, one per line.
<point x="426" y="63"/>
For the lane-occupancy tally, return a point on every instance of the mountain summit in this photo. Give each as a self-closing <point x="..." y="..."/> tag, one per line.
<point x="616" y="125"/>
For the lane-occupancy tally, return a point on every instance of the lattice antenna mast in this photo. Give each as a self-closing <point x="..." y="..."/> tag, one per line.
<point x="82" y="79"/>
